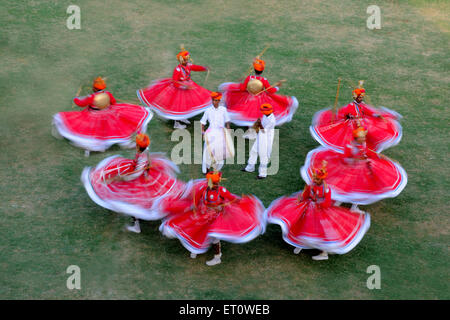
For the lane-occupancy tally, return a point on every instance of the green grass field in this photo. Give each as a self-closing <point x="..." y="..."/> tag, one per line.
<point x="48" y="222"/>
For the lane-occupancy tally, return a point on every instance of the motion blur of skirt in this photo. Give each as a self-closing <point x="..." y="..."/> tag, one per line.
<point x="238" y="222"/>
<point x="335" y="133"/>
<point x="172" y="102"/>
<point x="305" y="225"/>
<point x="356" y="181"/>
<point x="134" y="197"/>
<point x="97" y="130"/>
<point x="244" y="107"/>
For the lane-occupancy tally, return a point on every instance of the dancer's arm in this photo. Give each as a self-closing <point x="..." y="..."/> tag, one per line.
<point x="195" y="67"/>
<point x="305" y="194"/>
<point x="327" y="201"/>
<point x="83" y="101"/>
<point x="268" y="87"/>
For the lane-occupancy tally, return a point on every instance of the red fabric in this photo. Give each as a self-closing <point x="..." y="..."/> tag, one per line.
<point x="315" y="192"/>
<point x="172" y="98"/>
<point x="183" y="73"/>
<point x="357" y="111"/>
<point x="359" y="170"/>
<point x="89" y="100"/>
<point x="337" y="131"/>
<point x="142" y="191"/>
<point x="359" y="151"/>
<point x="118" y="121"/>
<point x="214" y="197"/>
<point x="239" y="101"/>
<point x="206" y="212"/>
<point x="311" y="225"/>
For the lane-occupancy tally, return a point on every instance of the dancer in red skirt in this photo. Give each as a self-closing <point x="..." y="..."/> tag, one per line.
<point x="308" y="220"/>
<point x="130" y="186"/>
<point x="102" y="122"/>
<point x="177" y="98"/>
<point x="335" y="131"/>
<point x="360" y="175"/>
<point x="209" y="213"/>
<point x="244" y="99"/>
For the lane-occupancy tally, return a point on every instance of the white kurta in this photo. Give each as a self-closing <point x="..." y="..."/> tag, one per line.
<point x="262" y="146"/>
<point x="217" y="147"/>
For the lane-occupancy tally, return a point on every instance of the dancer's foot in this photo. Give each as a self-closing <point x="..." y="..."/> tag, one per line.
<point x="136" y="228"/>
<point x="215" y="260"/>
<point x="322" y="256"/>
<point x="178" y="125"/>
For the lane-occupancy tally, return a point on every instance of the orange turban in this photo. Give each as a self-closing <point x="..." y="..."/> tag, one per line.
<point x="214" y="176"/>
<point x="359" y="132"/>
<point x="183" y="54"/>
<point x="266" y="109"/>
<point x="320" y="173"/>
<point x="142" y="140"/>
<point x="259" y="64"/>
<point x="99" y="83"/>
<point x="358" y="92"/>
<point x="216" y="95"/>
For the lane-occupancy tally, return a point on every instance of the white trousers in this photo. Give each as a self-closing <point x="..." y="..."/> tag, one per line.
<point x="215" y="149"/>
<point x="262" y="148"/>
<point x="207" y="161"/>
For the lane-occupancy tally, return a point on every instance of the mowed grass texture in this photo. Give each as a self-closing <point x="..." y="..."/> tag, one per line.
<point x="48" y="222"/>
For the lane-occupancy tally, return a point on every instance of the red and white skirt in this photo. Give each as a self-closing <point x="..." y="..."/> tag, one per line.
<point x="97" y="130"/>
<point x="244" y="107"/>
<point x="134" y="197"/>
<point x="356" y="181"/>
<point x="171" y="102"/>
<point x="336" y="133"/>
<point x="305" y="225"/>
<point x="238" y="222"/>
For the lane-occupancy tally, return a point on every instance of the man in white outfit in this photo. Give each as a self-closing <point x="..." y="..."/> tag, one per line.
<point x="217" y="147"/>
<point x="262" y="147"/>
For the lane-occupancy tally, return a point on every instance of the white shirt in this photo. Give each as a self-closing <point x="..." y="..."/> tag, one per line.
<point x="217" y="117"/>
<point x="268" y="122"/>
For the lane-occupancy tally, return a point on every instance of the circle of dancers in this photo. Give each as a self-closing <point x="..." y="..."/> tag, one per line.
<point x="347" y="168"/>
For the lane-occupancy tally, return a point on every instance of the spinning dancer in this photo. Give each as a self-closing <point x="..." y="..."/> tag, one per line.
<point x="177" y="98"/>
<point x="102" y="122"/>
<point x="335" y="131"/>
<point x="308" y="220"/>
<point x="131" y="186"/>
<point x="360" y="175"/>
<point x="209" y="213"/>
<point x="218" y="143"/>
<point x="244" y="99"/>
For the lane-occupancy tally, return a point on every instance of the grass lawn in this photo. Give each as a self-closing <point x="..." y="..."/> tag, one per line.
<point x="48" y="222"/>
